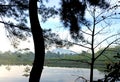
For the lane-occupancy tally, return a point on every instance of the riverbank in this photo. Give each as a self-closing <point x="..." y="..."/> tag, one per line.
<point x="73" y="64"/>
<point x="57" y="60"/>
<point x="52" y="62"/>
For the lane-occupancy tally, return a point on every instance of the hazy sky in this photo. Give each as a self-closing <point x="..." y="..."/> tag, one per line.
<point x="4" y="42"/>
<point x="58" y="28"/>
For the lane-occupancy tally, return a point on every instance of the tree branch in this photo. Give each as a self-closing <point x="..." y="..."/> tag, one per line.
<point x="106" y="48"/>
<point x="26" y="28"/>
<point x="104" y="18"/>
<point x="85" y="32"/>
<point x="100" y="31"/>
<point x="79" y="45"/>
<point x="106" y="39"/>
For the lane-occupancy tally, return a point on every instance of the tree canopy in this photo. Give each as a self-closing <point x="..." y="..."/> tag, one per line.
<point x="72" y="14"/>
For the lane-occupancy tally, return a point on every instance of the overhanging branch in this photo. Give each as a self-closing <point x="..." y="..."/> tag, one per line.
<point x="26" y="28"/>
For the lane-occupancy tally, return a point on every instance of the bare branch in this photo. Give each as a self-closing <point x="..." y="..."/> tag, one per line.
<point x="100" y="14"/>
<point x="100" y="31"/>
<point x="84" y="79"/>
<point x="72" y="43"/>
<point x="85" y="32"/>
<point x="106" y="48"/>
<point x="80" y="45"/>
<point x="108" y="58"/>
<point x="114" y="18"/>
<point x="104" y="18"/>
<point x="106" y="39"/>
<point x="109" y="9"/>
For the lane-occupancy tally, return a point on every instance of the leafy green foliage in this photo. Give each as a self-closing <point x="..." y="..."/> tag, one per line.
<point x="65" y="60"/>
<point x="16" y="58"/>
<point x="113" y="70"/>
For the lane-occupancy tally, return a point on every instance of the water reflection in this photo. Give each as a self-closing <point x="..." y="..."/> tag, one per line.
<point x="57" y="74"/>
<point x="27" y="71"/>
<point x="79" y="78"/>
<point x="12" y="73"/>
<point x="50" y="74"/>
<point x="8" y="68"/>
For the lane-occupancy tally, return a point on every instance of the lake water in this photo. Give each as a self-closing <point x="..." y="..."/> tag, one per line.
<point x="50" y="74"/>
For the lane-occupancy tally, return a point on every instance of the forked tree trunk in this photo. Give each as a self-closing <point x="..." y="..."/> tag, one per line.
<point x="38" y="39"/>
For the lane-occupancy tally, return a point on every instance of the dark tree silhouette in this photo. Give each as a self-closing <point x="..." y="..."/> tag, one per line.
<point x="113" y="70"/>
<point x="18" y="29"/>
<point x="72" y="14"/>
<point x="15" y="10"/>
<point x="18" y="11"/>
<point x="38" y="42"/>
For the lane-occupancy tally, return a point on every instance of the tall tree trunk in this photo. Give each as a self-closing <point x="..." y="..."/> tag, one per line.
<point x="92" y="49"/>
<point x="91" y="70"/>
<point x="38" y="39"/>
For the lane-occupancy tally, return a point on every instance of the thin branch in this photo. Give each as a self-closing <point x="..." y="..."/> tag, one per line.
<point x="80" y="45"/>
<point x="72" y="43"/>
<point x="13" y="25"/>
<point x="87" y="26"/>
<point x="8" y="24"/>
<point x="10" y="32"/>
<point x="100" y="31"/>
<point x="100" y="14"/>
<point x="104" y="18"/>
<point x="93" y="37"/>
<point x="106" y="10"/>
<point x="106" y="48"/>
<point x="85" y="32"/>
<point x="108" y="58"/>
<point x="90" y="11"/>
<point x="114" y="17"/>
<point x="91" y="15"/>
<point x="84" y="79"/>
<point x="106" y="39"/>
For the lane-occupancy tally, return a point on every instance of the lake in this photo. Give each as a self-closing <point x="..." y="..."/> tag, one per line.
<point x="20" y="73"/>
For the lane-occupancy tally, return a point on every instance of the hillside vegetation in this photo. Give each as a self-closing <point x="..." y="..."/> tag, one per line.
<point x="62" y="60"/>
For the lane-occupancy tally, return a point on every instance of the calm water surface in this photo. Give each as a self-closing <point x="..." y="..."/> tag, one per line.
<point x="50" y="74"/>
